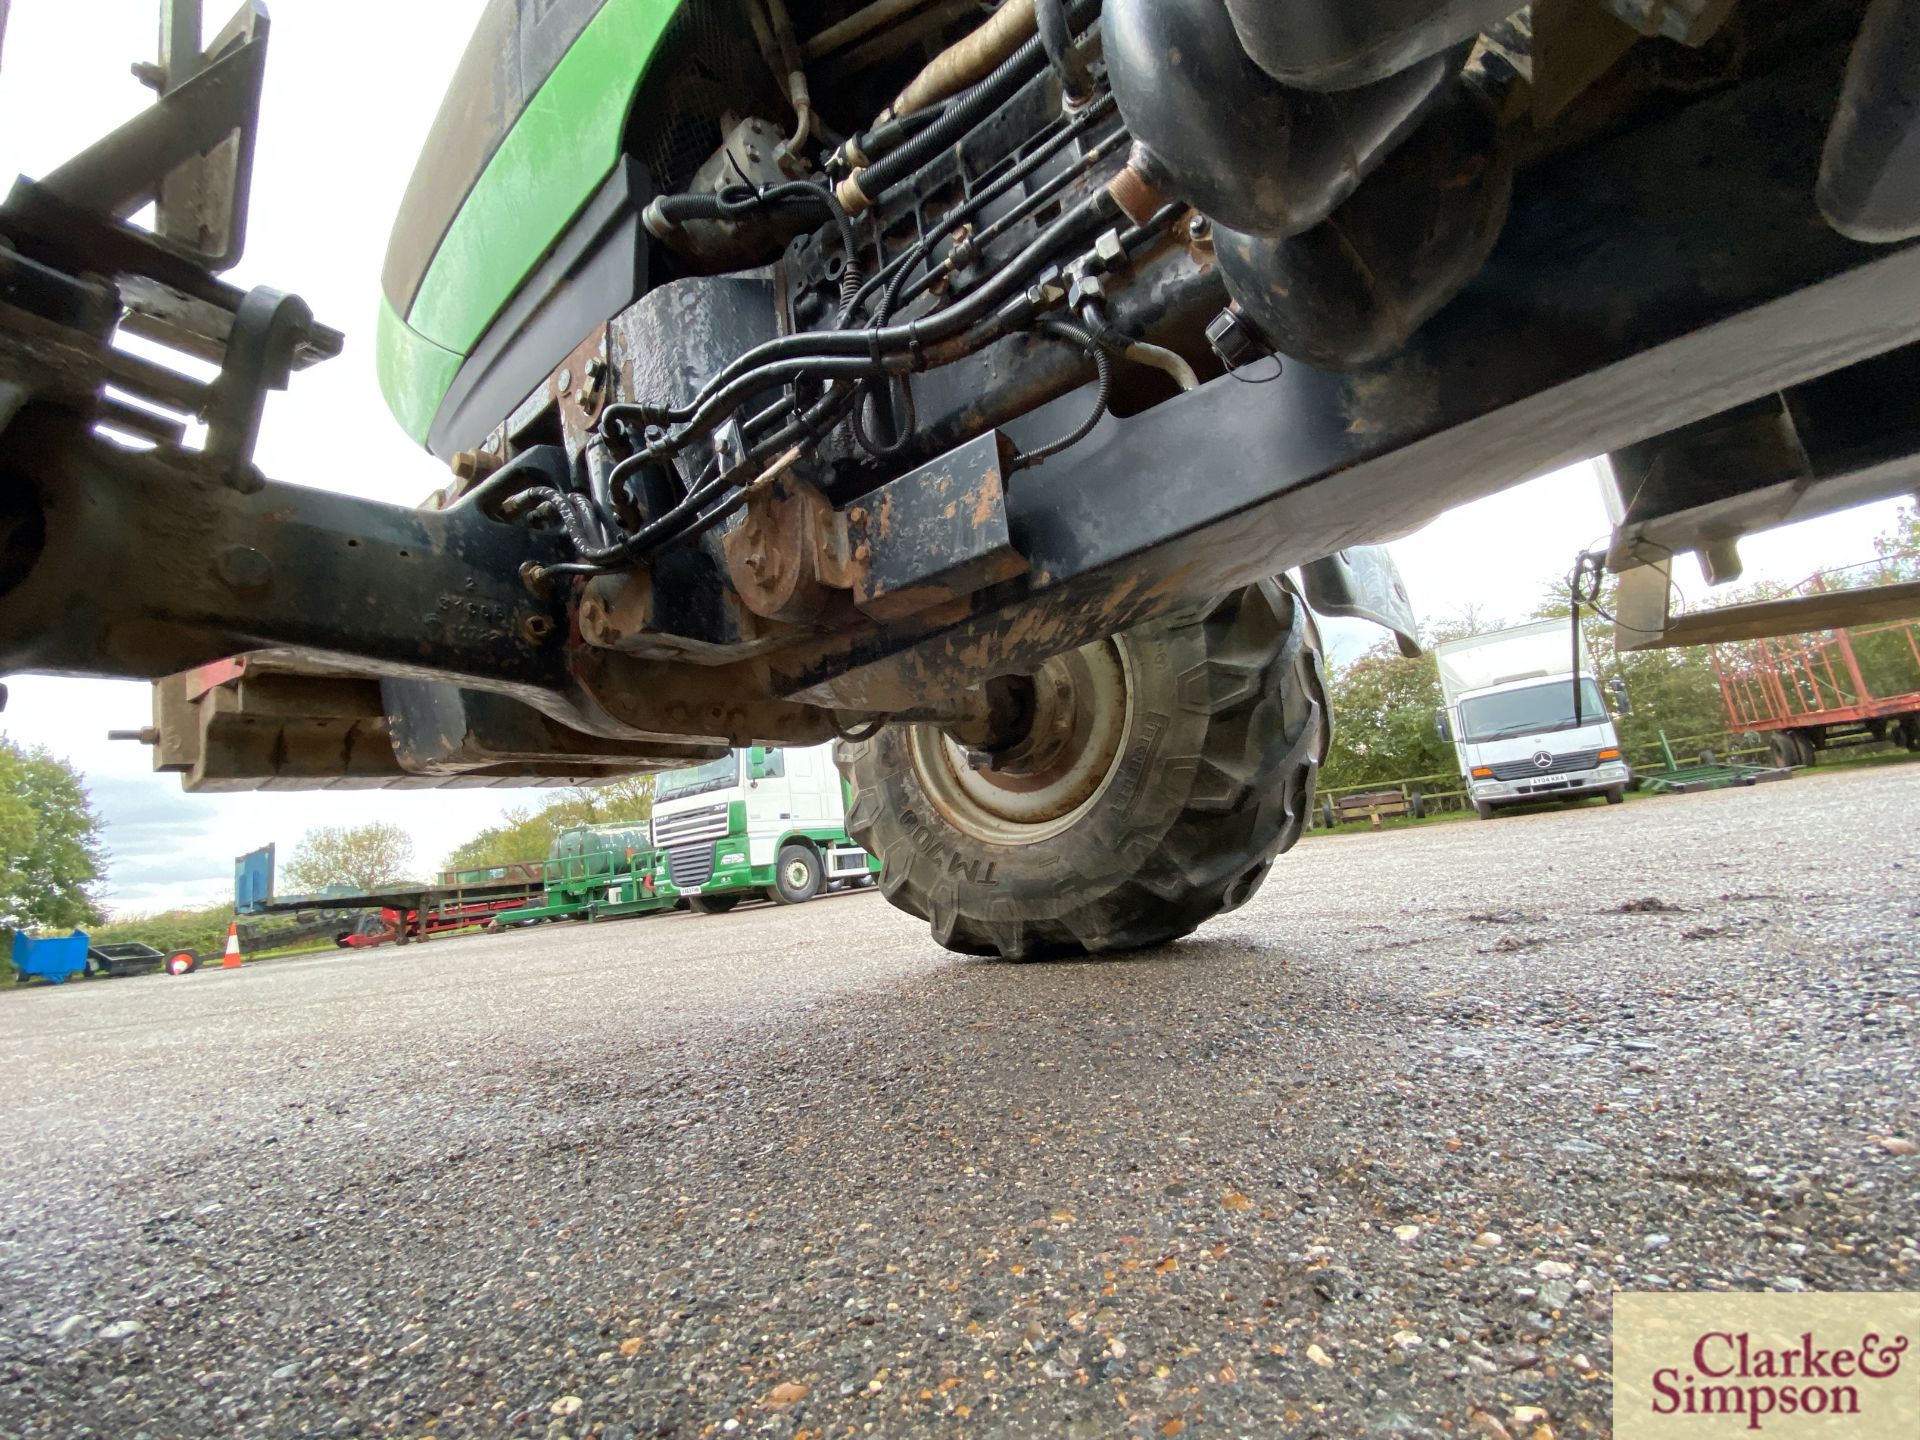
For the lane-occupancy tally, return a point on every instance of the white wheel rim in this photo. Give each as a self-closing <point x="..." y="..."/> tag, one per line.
<point x="1082" y="722"/>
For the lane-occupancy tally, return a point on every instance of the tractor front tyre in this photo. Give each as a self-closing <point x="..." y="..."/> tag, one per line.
<point x="1157" y="777"/>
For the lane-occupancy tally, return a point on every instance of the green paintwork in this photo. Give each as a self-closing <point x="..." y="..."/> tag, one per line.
<point x="415" y="374"/>
<point x="559" y="152"/>
<point x="528" y="913"/>
<point x="652" y="905"/>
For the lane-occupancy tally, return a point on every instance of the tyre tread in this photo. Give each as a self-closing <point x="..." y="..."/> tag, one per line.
<point x="1258" y="686"/>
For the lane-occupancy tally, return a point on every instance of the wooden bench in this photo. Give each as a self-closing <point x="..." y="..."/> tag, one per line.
<point x="1372" y="805"/>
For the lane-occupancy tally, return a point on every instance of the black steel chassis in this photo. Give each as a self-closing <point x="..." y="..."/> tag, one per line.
<point x="1670" y="278"/>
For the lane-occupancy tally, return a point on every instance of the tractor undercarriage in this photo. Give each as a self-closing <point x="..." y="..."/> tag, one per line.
<point x="873" y="442"/>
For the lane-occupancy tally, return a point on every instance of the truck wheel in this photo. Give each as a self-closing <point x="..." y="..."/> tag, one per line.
<point x="712" y="904"/>
<point x="1617" y="795"/>
<point x="1483" y="809"/>
<point x="1160" y="773"/>
<point x="796" y="876"/>
<point x="1910" y="732"/>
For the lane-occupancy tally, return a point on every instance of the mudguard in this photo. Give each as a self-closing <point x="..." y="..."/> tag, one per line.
<point x="1362" y="583"/>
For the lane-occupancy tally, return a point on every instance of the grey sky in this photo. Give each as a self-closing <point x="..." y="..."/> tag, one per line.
<point x="351" y="89"/>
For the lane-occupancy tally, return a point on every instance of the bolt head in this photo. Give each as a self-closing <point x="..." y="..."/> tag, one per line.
<point x="1233" y="340"/>
<point x="244" y="568"/>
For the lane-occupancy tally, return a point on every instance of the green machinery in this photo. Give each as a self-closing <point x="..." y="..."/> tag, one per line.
<point x="596" y="872"/>
<point x="1709" y="774"/>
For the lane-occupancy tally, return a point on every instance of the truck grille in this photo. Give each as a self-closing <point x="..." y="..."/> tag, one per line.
<point x="707" y="823"/>
<point x="691" y="865"/>
<point x="1562" y="765"/>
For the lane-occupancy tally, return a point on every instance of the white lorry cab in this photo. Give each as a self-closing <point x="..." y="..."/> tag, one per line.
<point x="755" y="822"/>
<point x="1520" y="729"/>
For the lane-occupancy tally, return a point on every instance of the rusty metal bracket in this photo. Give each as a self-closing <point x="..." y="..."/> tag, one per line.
<point x="936" y="533"/>
<point x="192" y="150"/>
<point x="143" y="564"/>
<point x="268" y="330"/>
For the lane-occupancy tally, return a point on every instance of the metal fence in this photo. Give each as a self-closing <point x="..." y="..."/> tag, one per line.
<point x="1439" y="793"/>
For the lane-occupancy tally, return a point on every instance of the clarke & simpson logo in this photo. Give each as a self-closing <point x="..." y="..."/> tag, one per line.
<point x="1783" y="1365"/>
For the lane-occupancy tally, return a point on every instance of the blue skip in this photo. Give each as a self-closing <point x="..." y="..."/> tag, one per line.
<point x="58" y="960"/>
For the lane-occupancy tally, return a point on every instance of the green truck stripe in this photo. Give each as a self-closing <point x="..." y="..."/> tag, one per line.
<point x="559" y="152"/>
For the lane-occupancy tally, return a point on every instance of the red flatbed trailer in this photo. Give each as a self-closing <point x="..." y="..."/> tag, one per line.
<point x="459" y="900"/>
<point x="441" y="919"/>
<point x="1808" y="692"/>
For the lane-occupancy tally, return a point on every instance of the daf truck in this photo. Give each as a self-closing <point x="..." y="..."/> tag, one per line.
<point x="759" y="821"/>
<point x="1525" y="724"/>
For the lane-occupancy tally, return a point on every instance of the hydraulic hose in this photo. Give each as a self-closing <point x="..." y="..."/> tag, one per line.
<point x="776" y="359"/>
<point x="878" y="449"/>
<point x="886" y="136"/>
<point x="668" y="213"/>
<point x="542" y="465"/>
<point x="1103" y="393"/>
<point x="685" y="519"/>
<point x="899" y="293"/>
<point x="568" y="510"/>
<point x="866" y="188"/>
<point x="1056" y="38"/>
<point x="984" y="197"/>
<point x="967" y="60"/>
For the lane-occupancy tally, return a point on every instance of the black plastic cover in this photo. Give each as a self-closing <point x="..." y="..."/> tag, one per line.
<point x="1252" y="154"/>
<point x="1338" y="44"/>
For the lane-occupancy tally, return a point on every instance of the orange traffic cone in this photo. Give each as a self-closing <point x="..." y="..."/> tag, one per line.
<point x="232" y="959"/>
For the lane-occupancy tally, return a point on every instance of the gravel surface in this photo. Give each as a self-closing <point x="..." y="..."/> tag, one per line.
<point x="1366" y="1157"/>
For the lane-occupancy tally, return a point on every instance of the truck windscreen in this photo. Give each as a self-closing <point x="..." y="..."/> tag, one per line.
<point x="1532" y="711"/>
<point x="714" y="775"/>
